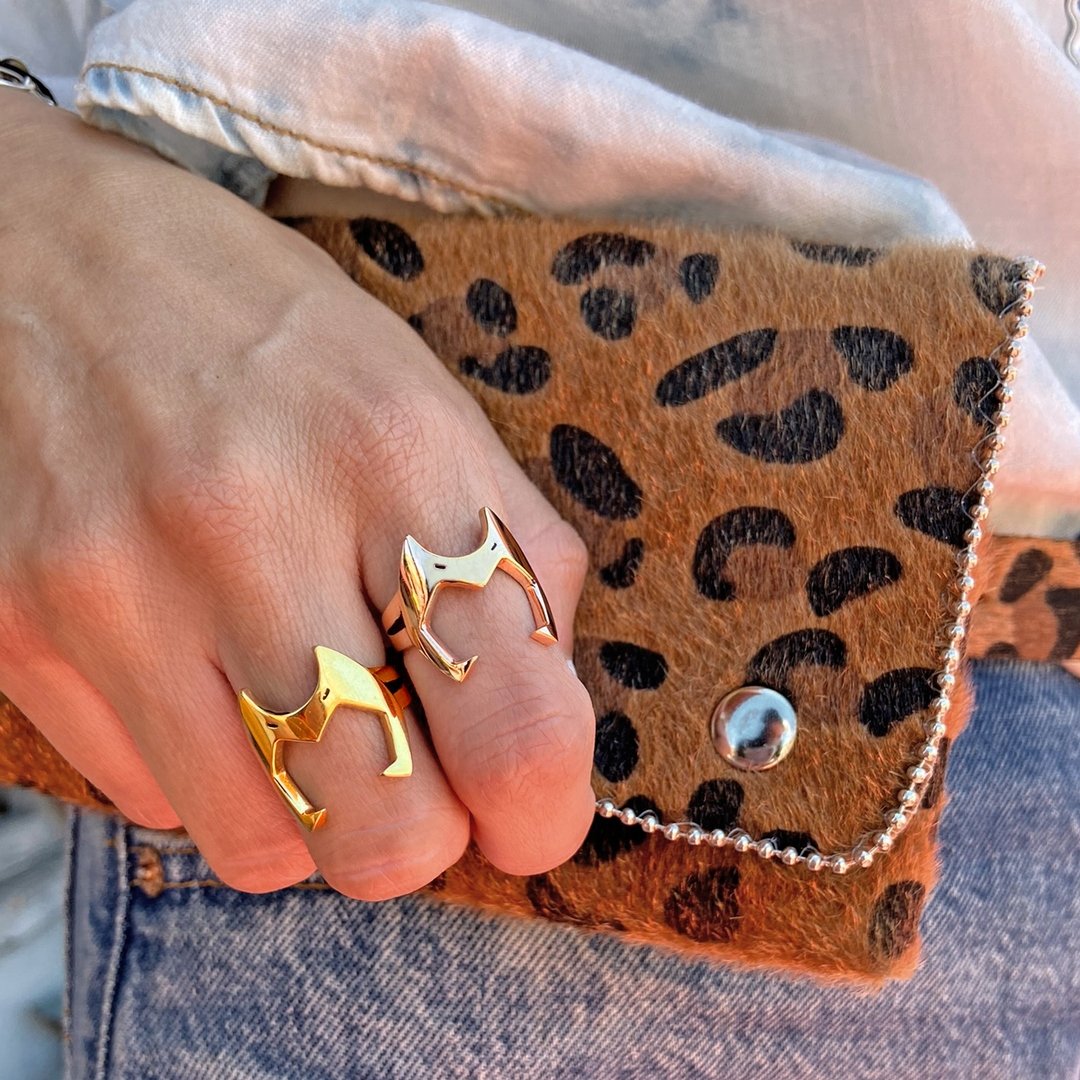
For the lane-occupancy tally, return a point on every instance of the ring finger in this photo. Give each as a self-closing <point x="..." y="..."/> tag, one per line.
<point x="383" y="836"/>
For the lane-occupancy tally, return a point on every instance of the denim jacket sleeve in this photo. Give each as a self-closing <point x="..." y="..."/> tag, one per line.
<point x="434" y="104"/>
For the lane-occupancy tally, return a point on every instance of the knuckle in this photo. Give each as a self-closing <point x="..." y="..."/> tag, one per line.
<point x="219" y="511"/>
<point x="381" y="863"/>
<point x="565" y="552"/>
<point x="537" y="751"/>
<point x="396" y="436"/>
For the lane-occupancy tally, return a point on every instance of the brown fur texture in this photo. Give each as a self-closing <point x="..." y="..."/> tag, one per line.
<point x="732" y="422"/>
<point x="1031" y="607"/>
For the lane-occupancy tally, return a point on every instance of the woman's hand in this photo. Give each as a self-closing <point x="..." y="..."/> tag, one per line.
<point x="213" y="447"/>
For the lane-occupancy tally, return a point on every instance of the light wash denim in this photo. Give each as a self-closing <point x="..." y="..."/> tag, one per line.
<point x="202" y="981"/>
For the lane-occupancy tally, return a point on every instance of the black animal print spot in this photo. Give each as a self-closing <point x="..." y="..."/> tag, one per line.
<point x="621" y="573"/>
<point x="840" y="254"/>
<point x="716" y="804"/>
<point x="609" y="312"/>
<point x="808" y="429"/>
<point x="705" y="907"/>
<point x="581" y="258"/>
<point x="936" y="511"/>
<point x="547" y="901"/>
<point x="894" y="696"/>
<point x="492" y="307"/>
<point x="591" y="472"/>
<point x="974" y="384"/>
<point x="417" y="323"/>
<point x="1065" y="604"/>
<point x="1028" y="569"/>
<point x="713" y="367"/>
<point x="772" y="664"/>
<point x="698" y="275"/>
<point x="746" y="525"/>
<point x="894" y="921"/>
<point x="633" y="666"/>
<point x="518" y="369"/>
<point x="848" y="574"/>
<point x="389" y="246"/>
<point x="787" y="838"/>
<point x="616" y="751"/>
<point x="608" y="838"/>
<point x="936" y="784"/>
<point x="996" y="281"/>
<point x="876" y="358"/>
<point x="1002" y="650"/>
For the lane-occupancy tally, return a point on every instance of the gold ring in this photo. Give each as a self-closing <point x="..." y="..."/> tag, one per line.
<point x="406" y="619"/>
<point x="342" y="681"/>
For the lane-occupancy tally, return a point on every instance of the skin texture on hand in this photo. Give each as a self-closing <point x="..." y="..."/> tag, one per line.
<point x="214" y="445"/>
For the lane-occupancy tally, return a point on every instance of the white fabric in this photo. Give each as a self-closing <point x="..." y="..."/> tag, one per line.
<point x="856" y="121"/>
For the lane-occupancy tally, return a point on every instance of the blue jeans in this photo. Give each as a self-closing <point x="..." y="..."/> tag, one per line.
<point x="200" y="981"/>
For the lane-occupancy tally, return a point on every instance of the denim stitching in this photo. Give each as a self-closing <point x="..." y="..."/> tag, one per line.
<point x="277" y="129"/>
<point x="70" y="848"/>
<point x="108" y="997"/>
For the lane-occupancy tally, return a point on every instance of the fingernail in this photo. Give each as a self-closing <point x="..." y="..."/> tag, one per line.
<point x="570" y="665"/>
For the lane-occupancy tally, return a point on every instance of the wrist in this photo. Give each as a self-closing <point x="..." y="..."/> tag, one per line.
<point x="27" y="126"/>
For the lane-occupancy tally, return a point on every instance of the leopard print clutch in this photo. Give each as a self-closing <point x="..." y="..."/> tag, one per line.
<point x="779" y="455"/>
<point x="776" y="454"/>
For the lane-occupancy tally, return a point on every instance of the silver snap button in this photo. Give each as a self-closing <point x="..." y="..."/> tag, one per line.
<point x="754" y="728"/>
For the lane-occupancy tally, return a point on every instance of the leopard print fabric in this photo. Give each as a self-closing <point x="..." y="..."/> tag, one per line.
<point x="1031" y="607"/>
<point x="768" y="447"/>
